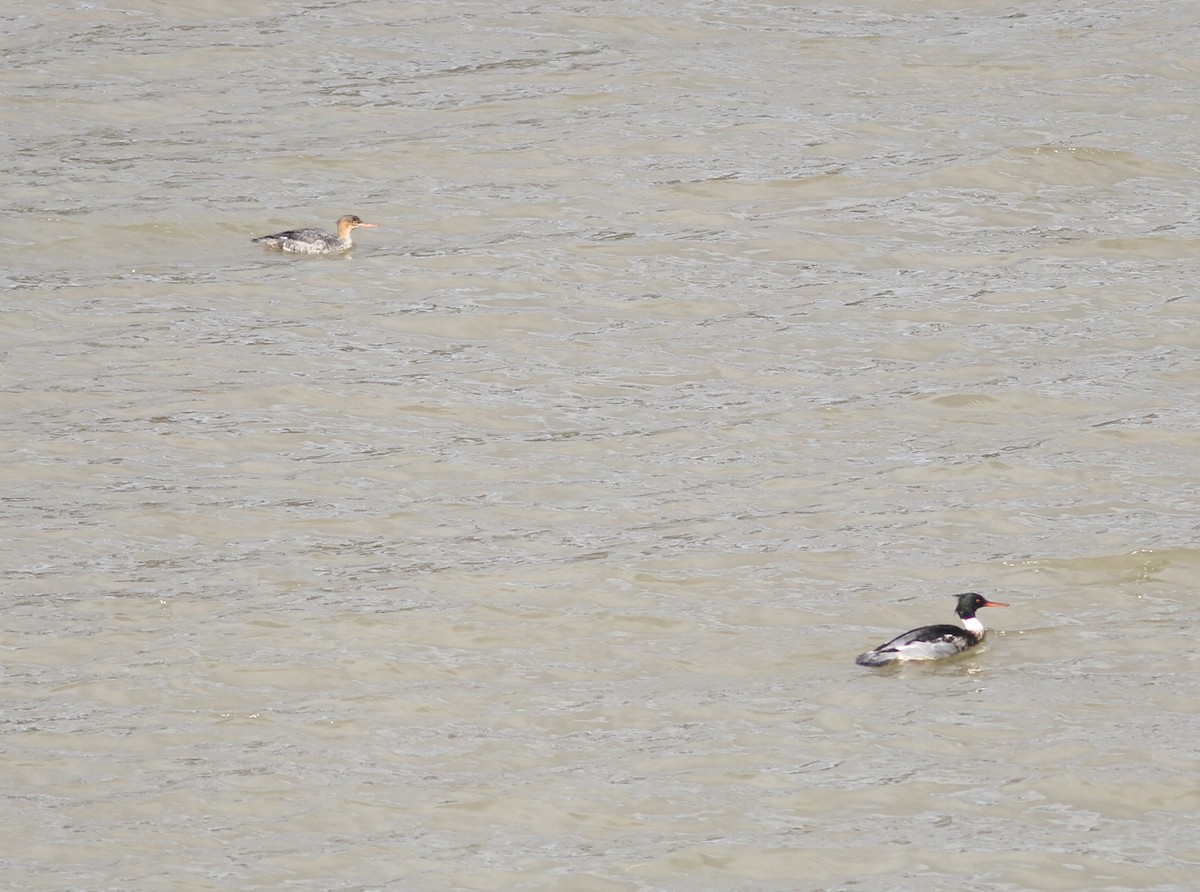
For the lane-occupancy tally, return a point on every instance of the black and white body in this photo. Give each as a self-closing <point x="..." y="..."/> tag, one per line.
<point x="934" y="642"/>
<point x="315" y="241"/>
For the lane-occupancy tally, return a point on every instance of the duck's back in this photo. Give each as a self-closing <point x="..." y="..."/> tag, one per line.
<point x="926" y="643"/>
<point x="304" y="241"/>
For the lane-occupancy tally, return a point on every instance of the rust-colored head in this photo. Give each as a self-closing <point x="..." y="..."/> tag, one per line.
<point x="349" y="222"/>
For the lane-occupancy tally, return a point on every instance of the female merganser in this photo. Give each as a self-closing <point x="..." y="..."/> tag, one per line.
<point x="315" y="241"/>
<point x="934" y="642"/>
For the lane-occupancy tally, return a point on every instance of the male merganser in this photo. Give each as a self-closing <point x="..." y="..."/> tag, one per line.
<point x="315" y="241"/>
<point x="934" y="642"/>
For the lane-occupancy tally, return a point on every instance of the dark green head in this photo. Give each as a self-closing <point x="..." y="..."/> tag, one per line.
<point x="969" y="602"/>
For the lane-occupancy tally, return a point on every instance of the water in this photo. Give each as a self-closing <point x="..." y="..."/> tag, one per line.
<point x="702" y="347"/>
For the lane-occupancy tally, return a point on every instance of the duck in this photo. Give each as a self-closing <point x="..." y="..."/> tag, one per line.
<point x="935" y="642"/>
<point x="316" y="241"/>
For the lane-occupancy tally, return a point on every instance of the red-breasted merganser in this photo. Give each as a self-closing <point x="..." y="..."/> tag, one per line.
<point x="315" y="241"/>
<point x="934" y="642"/>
